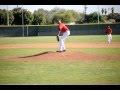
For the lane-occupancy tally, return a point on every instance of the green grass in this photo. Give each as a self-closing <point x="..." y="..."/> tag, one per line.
<point x="27" y="40"/>
<point x="29" y="72"/>
<point x="92" y="38"/>
<point x="111" y="51"/>
<point x="94" y="72"/>
<point x="52" y="39"/>
<point x="18" y="52"/>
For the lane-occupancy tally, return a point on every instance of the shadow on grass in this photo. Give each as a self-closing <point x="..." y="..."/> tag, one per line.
<point x="37" y="54"/>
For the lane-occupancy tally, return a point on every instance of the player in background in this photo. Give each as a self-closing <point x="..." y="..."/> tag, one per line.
<point x="108" y="32"/>
<point x="65" y="31"/>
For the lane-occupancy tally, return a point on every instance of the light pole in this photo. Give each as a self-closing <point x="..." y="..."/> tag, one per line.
<point x="98" y="14"/>
<point x="108" y="10"/>
<point x="85" y="7"/>
<point x="22" y="21"/>
<point x="98" y="17"/>
<point x="7" y="16"/>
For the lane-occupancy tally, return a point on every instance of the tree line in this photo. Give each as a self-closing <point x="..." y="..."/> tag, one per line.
<point x="45" y="17"/>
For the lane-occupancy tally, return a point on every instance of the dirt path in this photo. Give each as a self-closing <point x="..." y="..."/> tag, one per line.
<point x="68" y="45"/>
<point x="64" y="56"/>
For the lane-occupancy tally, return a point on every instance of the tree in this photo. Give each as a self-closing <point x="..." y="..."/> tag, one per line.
<point x="27" y="16"/>
<point x="105" y="11"/>
<point x="75" y="15"/>
<point x="118" y="18"/>
<point x="58" y="13"/>
<point x="48" y="15"/>
<point x="17" y="13"/>
<point x="57" y="9"/>
<point x="39" y="19"/>
<point x="115" y="16"/>
<point x="11" y="17"/>
<point x="102" y="10"/>
<point x="3" y="17"/>
<point x="65" y="17"/>
<point x="93" y="18"/>
<point x="112" y="10"/>
<point x="55" y="18"/>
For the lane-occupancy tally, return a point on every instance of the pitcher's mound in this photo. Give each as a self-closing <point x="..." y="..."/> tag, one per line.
<point x="66" y="56"/>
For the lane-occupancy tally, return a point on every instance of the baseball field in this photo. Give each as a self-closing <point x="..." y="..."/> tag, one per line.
<point x="89" y="60"/>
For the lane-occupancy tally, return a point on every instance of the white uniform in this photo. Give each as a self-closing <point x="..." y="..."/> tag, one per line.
<point x="64" y="30"/>
<point x="109" y="38"/>
<point x="108" y="32"/>
<point x="62" y="40"/>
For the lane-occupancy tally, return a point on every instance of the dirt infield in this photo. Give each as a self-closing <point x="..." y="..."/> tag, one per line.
<point x="68" y="45"/>
<point x="64" y="56"/>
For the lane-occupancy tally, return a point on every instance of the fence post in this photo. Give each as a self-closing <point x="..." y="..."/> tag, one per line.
<point x="27" y="30"/>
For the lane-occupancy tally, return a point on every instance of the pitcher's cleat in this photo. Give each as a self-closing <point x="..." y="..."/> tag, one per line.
<point x="64" y="50"/>
<point x="59" y="51"/>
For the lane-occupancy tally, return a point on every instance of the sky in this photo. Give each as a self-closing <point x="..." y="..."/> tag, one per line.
<point x="78" y="8"/>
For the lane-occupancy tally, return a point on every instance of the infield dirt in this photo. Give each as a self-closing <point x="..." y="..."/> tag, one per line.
<point x="64" y="56"/>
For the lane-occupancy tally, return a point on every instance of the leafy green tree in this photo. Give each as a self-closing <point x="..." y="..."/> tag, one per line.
<point x="3" y="16"/>
<point x="102" y="10"/>
<point x="115" y="16"/>
<point x="49" y="17"/>
<point x="93" y="18"/>
<point x="39" y="19"/>
<point x="11" y="17"/>
<point x="57" y="13"/>
<point x="66" y="16"/>
<point x="105" y="11"/>
<point x="45" y="15"/>
<point x="53" y="15"/>
<point x="118" y="18"/>
<point x="56" y="17"/>
<point x="112" y="10"/>
<point x="75" y="15"/>
<point x="27" y="16"/>
<point x="17" y="13"/>
<point x="56" y="10"/>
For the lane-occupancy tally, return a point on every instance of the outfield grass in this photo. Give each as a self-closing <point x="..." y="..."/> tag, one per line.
<point x="92" y="73"/>
<point x="52" y="39"/>
<point x="18" y="52"/>
<point x="28" y="72"/>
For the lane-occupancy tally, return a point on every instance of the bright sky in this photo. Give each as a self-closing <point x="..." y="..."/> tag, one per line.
<point x="78" y="8"/>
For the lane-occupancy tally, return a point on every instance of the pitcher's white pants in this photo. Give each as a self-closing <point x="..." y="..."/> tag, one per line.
<point x="109" y="38"/>
<point x="62" y="40"/>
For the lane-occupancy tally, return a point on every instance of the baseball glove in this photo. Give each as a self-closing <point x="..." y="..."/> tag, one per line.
<point x="57" y="37"/>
